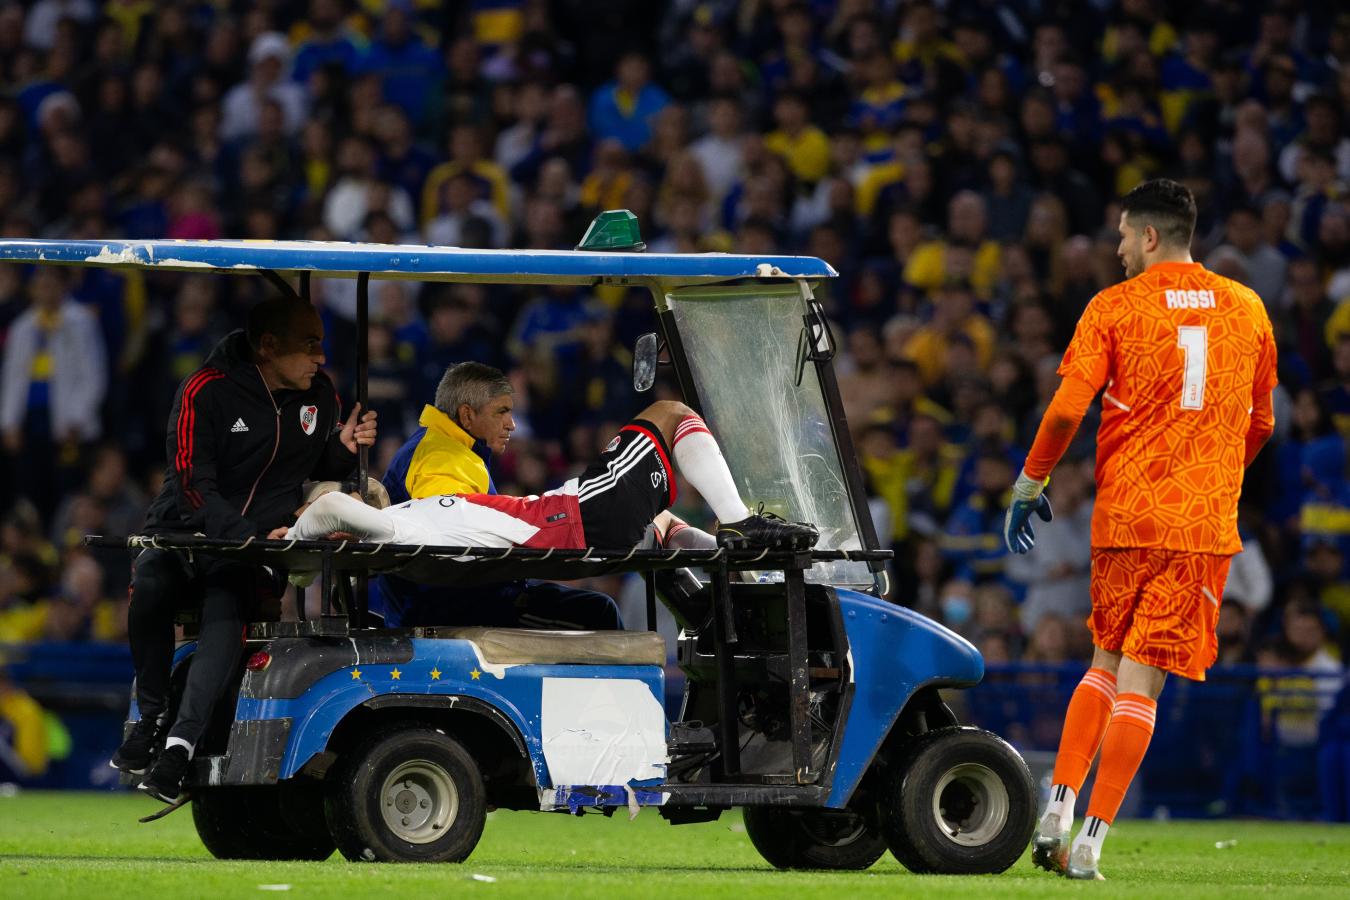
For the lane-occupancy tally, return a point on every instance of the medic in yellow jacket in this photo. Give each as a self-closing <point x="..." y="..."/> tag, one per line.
<point x="439" y="458"/>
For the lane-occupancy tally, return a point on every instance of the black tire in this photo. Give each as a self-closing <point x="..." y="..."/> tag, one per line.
<point x="960" y="802"/>
<point x="282" y="821"/>
<point x="408" y="793"/>
<point x="813" y="838"/>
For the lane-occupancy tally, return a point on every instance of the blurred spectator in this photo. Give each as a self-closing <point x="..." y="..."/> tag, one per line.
<point x="1007" y="200"/>
<point x="955" y="319"/>
<point x="51" y="385"/>
<point x="268" y="56"/>
<point x="1262" y="264"/>
<point x="719" y="151"/>
<point x="1306" y="334"/>
<point x="801" y="144"/>
<point x="23" y="731"/>
<point x="328" y="42"/>
<point x="973" y="536"/>
<point x="1250" y="581"/>
<point x="467" y="158"/>
<point x="359" y="192"/>
<point x="1049" y="642"/>
<point x="407" y="67"/>
<point x="624" y="108"/>
<point x="932" y="263"/>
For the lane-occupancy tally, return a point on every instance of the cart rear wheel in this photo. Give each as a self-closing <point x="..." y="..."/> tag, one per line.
<point x="281" y="821"/>
<point x="961" y="803"/>
<point x="813" y="838"/>
<point x="409" y="793"/>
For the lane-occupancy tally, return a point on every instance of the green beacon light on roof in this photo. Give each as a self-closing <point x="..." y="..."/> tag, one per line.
<point x="615" y="230"/>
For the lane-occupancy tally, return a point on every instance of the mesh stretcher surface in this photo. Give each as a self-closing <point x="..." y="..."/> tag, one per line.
<point x="467" y="566"/>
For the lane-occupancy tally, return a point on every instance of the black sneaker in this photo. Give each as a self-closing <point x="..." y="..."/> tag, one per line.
<point x="767" y="530"/>
<point x="140" y="748"/>
<point x="165" y="781"/>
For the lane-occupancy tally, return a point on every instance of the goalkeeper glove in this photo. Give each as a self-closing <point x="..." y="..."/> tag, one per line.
<point x="1027" y="497"/>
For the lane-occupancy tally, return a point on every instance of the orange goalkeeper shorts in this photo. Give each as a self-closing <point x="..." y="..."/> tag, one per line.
<point x="1158" y="607"/>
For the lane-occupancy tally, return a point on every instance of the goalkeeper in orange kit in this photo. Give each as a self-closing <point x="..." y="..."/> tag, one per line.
<point x="1185" y="361"/>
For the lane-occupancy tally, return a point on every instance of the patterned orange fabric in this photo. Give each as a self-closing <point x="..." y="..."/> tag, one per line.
<point x="1182" y="354"/>
<point x="1158" y="607"/>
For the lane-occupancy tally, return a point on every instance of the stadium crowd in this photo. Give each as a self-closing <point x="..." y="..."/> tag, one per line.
<point x="955" y="161"/>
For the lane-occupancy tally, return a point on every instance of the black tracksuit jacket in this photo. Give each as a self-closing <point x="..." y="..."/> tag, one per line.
<point x="238" y="453"/>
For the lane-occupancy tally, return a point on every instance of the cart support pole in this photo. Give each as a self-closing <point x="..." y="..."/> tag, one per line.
<point x="325" y="586"/>
<point x="724" y="639"/>
<point x="649" y="582"/>
<point x="799" y="688"/>
<point x="362" y="598"/>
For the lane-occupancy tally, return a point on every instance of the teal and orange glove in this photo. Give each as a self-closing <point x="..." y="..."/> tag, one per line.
<point x="1027" y="497"/>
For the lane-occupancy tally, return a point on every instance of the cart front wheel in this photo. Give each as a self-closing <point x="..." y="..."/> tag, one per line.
<point x="960" y="803"/>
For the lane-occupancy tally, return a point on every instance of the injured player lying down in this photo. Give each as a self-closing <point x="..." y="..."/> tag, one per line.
<point x="609" y="506"/>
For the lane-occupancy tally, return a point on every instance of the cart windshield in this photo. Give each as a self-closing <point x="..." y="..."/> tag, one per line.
<point x="742" y="345"/>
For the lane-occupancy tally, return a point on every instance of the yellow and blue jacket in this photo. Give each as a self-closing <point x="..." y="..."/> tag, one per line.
<point x="439" y="458"/>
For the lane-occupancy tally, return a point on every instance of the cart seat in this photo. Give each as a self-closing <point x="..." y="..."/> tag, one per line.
<point x="520" y="646"/>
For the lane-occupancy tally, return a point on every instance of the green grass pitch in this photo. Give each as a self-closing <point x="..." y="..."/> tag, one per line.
<point x="89" y="846"/>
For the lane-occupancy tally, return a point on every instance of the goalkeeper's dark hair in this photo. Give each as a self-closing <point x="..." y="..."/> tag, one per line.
<point x="1165" y="204"/>
<point x="472" y="383"/>
<point x="277" y="316"/>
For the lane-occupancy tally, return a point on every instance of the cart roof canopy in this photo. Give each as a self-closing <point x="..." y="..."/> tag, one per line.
<point x="416" y="263"/>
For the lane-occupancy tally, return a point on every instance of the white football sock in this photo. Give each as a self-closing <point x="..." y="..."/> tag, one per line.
<point x="702" y="465"/>
<point x="1062" y="799"/>
<point x="1093" y="834"/>
<point x="179" y="742"/>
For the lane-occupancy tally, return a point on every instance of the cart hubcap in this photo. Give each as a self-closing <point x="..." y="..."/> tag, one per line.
<point x="418" y="802"/>
<point x="970" y="804"/>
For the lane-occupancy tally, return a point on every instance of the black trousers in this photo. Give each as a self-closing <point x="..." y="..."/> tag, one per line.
<point x="162" y="583"/>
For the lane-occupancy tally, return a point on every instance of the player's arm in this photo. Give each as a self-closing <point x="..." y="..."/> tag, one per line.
<point x="1058" y="427"/>
<point x="1083" y="372"/>
<point x="1263" y="408"/>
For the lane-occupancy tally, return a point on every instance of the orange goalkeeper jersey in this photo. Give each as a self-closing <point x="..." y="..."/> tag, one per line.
<point x="1181" y="353"/>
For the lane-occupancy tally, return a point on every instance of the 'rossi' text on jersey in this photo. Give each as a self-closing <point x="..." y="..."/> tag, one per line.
<point x="1181" y="353"/>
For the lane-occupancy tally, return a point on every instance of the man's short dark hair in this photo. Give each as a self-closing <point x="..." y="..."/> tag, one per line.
<point x="276" y="316"/>
<point x="1166" y="205"/>
<point x="472" y="383"/>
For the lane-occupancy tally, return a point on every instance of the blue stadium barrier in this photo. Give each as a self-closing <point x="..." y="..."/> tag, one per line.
<point x="1246" y="742"/>
<point x="86" y="687"/>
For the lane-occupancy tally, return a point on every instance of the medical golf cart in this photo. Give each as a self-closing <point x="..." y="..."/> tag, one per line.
<point x="810" y="700"/>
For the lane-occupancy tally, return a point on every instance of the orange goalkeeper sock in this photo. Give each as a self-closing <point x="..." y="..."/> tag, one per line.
<point x="1123" y="749"/>
<point x="1084" y="725"/>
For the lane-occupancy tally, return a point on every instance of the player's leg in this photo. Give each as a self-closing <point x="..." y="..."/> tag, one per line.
<point x="338" y="513"/>
<point x="1116" y="576"/>
<point x="159" y="584"/>
<point x="678" y="534"/>
<point x="1085" y="724"/>
<point x="701" y="463"/>
<point x="1173" y="630"/>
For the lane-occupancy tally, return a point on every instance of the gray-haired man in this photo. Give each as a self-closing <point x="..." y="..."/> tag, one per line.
<point x="450" y="454"/>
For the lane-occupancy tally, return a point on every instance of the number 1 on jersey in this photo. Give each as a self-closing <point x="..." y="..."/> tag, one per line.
<point x="1194" y="342"/>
